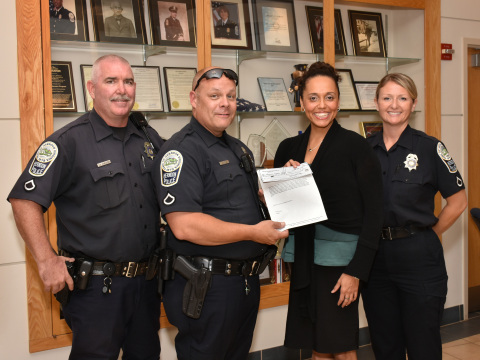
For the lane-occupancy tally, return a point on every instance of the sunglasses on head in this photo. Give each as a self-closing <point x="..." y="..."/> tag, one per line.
<point x="217" y="74"/>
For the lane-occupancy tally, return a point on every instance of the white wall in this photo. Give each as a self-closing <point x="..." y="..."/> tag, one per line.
<point x="460" y="19"/>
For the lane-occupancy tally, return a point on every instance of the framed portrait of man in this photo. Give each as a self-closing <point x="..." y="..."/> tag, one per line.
<point x="68" y="20"/>
<point x="367" y="33"/>
<point x="119" y="21"/>
<point x="230" y="27"/>
<point x="172" y="22"/>
<point x="315" y="25"/>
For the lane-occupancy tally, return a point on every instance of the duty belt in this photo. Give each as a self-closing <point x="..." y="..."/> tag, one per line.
<point x="227" y="267"/>
<point x="391" y="233"/>
<point x="127" y="269"/>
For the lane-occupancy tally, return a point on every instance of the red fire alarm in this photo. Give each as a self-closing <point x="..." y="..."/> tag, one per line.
<point x="447" y="52"/>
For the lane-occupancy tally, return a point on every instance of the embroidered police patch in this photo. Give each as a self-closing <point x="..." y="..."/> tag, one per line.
<point x="45" y="156"/>
<point x="446" y="158"/>
<point x="171" y="166"/>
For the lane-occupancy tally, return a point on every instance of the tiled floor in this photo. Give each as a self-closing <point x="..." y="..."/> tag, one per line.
<point x="461" y="341"/>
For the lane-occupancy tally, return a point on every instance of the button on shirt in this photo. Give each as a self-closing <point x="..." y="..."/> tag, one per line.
<point x="209" y="180"/>
<point x="101" y="187"/>
<point x="413" y="170"/>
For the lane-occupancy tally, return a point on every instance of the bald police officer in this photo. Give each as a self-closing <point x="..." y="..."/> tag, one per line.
<point x="208" y="194"/>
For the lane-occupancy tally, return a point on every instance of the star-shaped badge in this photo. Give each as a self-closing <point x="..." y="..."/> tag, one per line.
<point x="411" y="163"/>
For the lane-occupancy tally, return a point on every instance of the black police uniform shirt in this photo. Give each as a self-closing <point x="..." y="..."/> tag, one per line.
<point x="101" y="186"/>
<point x="62" y="21"/>
<point x="229" y="30"/>
<point x="197" y="172"/>
<point x="173" y="29"/>
<point x="413" y="170"/>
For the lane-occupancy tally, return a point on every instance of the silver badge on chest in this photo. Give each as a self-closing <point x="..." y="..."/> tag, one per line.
<point x="411" y="163"/>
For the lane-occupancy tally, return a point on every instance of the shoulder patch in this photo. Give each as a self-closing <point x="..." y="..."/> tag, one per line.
<point x="45" y="156"/>
<point x="446" y="158"/>
<point x="171" y="167"/>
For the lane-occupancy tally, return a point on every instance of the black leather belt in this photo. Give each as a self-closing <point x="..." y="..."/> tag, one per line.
<point x="227" y="267"/>
<point x="391" y="233"/>
<point x="127" y="269"/>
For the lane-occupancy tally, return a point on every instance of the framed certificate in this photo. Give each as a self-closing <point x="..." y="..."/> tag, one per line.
<point x="172" y="22"/>
<point x="63" y="91"/>
<point x="275" y="28"/>
<point x="69" y="20"/>
<point x="274" y="94"/>
<point x="119" y="21"/>
<point x="230" y="26"/>
<point x="367" y="33"/>
<point x="366" y="94"/>
<point x="348" y="92"/>
<point x="178" y="82"/>
<point x="315" y="25"/>
<point x="368" y="128"/>
<point x="148" y="93"/>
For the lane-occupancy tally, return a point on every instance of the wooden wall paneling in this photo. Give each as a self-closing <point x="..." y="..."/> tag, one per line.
<point x="414" y="4"/>
<point x="329" y="32"/>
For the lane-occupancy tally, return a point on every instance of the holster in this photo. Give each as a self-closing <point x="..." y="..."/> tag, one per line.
<point x="267" y="258"/>
<point x="80" y="271"/>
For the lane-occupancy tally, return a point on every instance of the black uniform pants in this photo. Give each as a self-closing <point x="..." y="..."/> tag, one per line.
<point x="128" y="318"/>
<point x="224" y="330"/>
<point x="405" y="296"/>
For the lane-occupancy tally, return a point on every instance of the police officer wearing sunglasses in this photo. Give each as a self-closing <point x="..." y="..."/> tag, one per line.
<point x="207" y="189"/>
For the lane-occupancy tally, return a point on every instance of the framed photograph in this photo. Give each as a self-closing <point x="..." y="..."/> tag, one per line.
<point x="315" y="26"/>
<point x="368" y="128"/>
<point x="68" y="20"/>
<point x="172" y="22"/>
<point x="366" y="94"/>
<point x="63" y="91"/>
<point x="275" y="28"/>
<point x="230" y="26"/>
<point x="178" y="82"/>
<point x="274" y="94"/>
<point x="148" y="93"/>
<point x="348" y="92"/>
<point x="119" y="21"/>
<point x="367" y="33"/>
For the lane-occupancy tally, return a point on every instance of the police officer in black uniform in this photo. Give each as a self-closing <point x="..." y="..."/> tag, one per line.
<point x="407" y="288"/>
<point x="173" y="28"/>
<point x="209" y="197"/>
<point x="96" y="170"/>
<point x="226" y="28"/>
<point x="62" y="21"/>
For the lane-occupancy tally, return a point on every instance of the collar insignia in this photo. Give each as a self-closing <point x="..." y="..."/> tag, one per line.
<point x="149" y="150"/>
<point x="411" y="163"/>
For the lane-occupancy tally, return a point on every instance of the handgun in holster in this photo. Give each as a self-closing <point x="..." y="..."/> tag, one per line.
<point x="198" y="283"/>
<point x="268" y="256"/>
<point x="80" y="271"/>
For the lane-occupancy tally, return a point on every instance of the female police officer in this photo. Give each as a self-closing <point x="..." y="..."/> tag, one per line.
<point x="406" y="292"/>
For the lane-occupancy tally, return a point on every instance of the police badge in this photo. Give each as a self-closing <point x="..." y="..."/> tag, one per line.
<point x="411" y="163"/>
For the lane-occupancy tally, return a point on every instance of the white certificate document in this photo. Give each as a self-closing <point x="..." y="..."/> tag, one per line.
<point x="292" y="195"/>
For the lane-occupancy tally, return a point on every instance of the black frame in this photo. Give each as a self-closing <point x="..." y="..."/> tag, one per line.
<point x="138" y="22"/>
<point x="356" y="18"/>
<point x="286" y="5"/>
<point x="165" y="74"/>
<point x="317" y="45"/>
<point x="349" y="74"/>
<point x="67" y="75"/>
<point x="245" y="42"/>
<point x="159" y="12"/>
<point x="368" y="128"/>
<point x="81" y="24"/>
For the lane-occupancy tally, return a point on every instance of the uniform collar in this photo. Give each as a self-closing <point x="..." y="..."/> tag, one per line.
<point x="102" y="130"/>
<point x="206" y="135"/>
<point x="405" y="140"/>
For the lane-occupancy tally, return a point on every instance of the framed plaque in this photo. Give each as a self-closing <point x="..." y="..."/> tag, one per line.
<point x="148" y="92"/>
<point x="63" y="91"/>
<point x="367" y="33"/>
<point x="172" y="22"/>
<point x="119" y="21"/>
<point x="275" y="28"/>
<point x="348" y="92"/>
<point x="368" y="128"/>
<point x="315" y="26"/>
<point x="274" y="94"/>
<point x="86" y="72"/>
<point x="366" y="94"/>
<point x="178" y="82"/>
<point x="230" y="26"/>
<point x="68" y="20"/>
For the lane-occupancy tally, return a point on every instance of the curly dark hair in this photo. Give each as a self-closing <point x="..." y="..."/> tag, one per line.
<point x="319" y="68"/>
